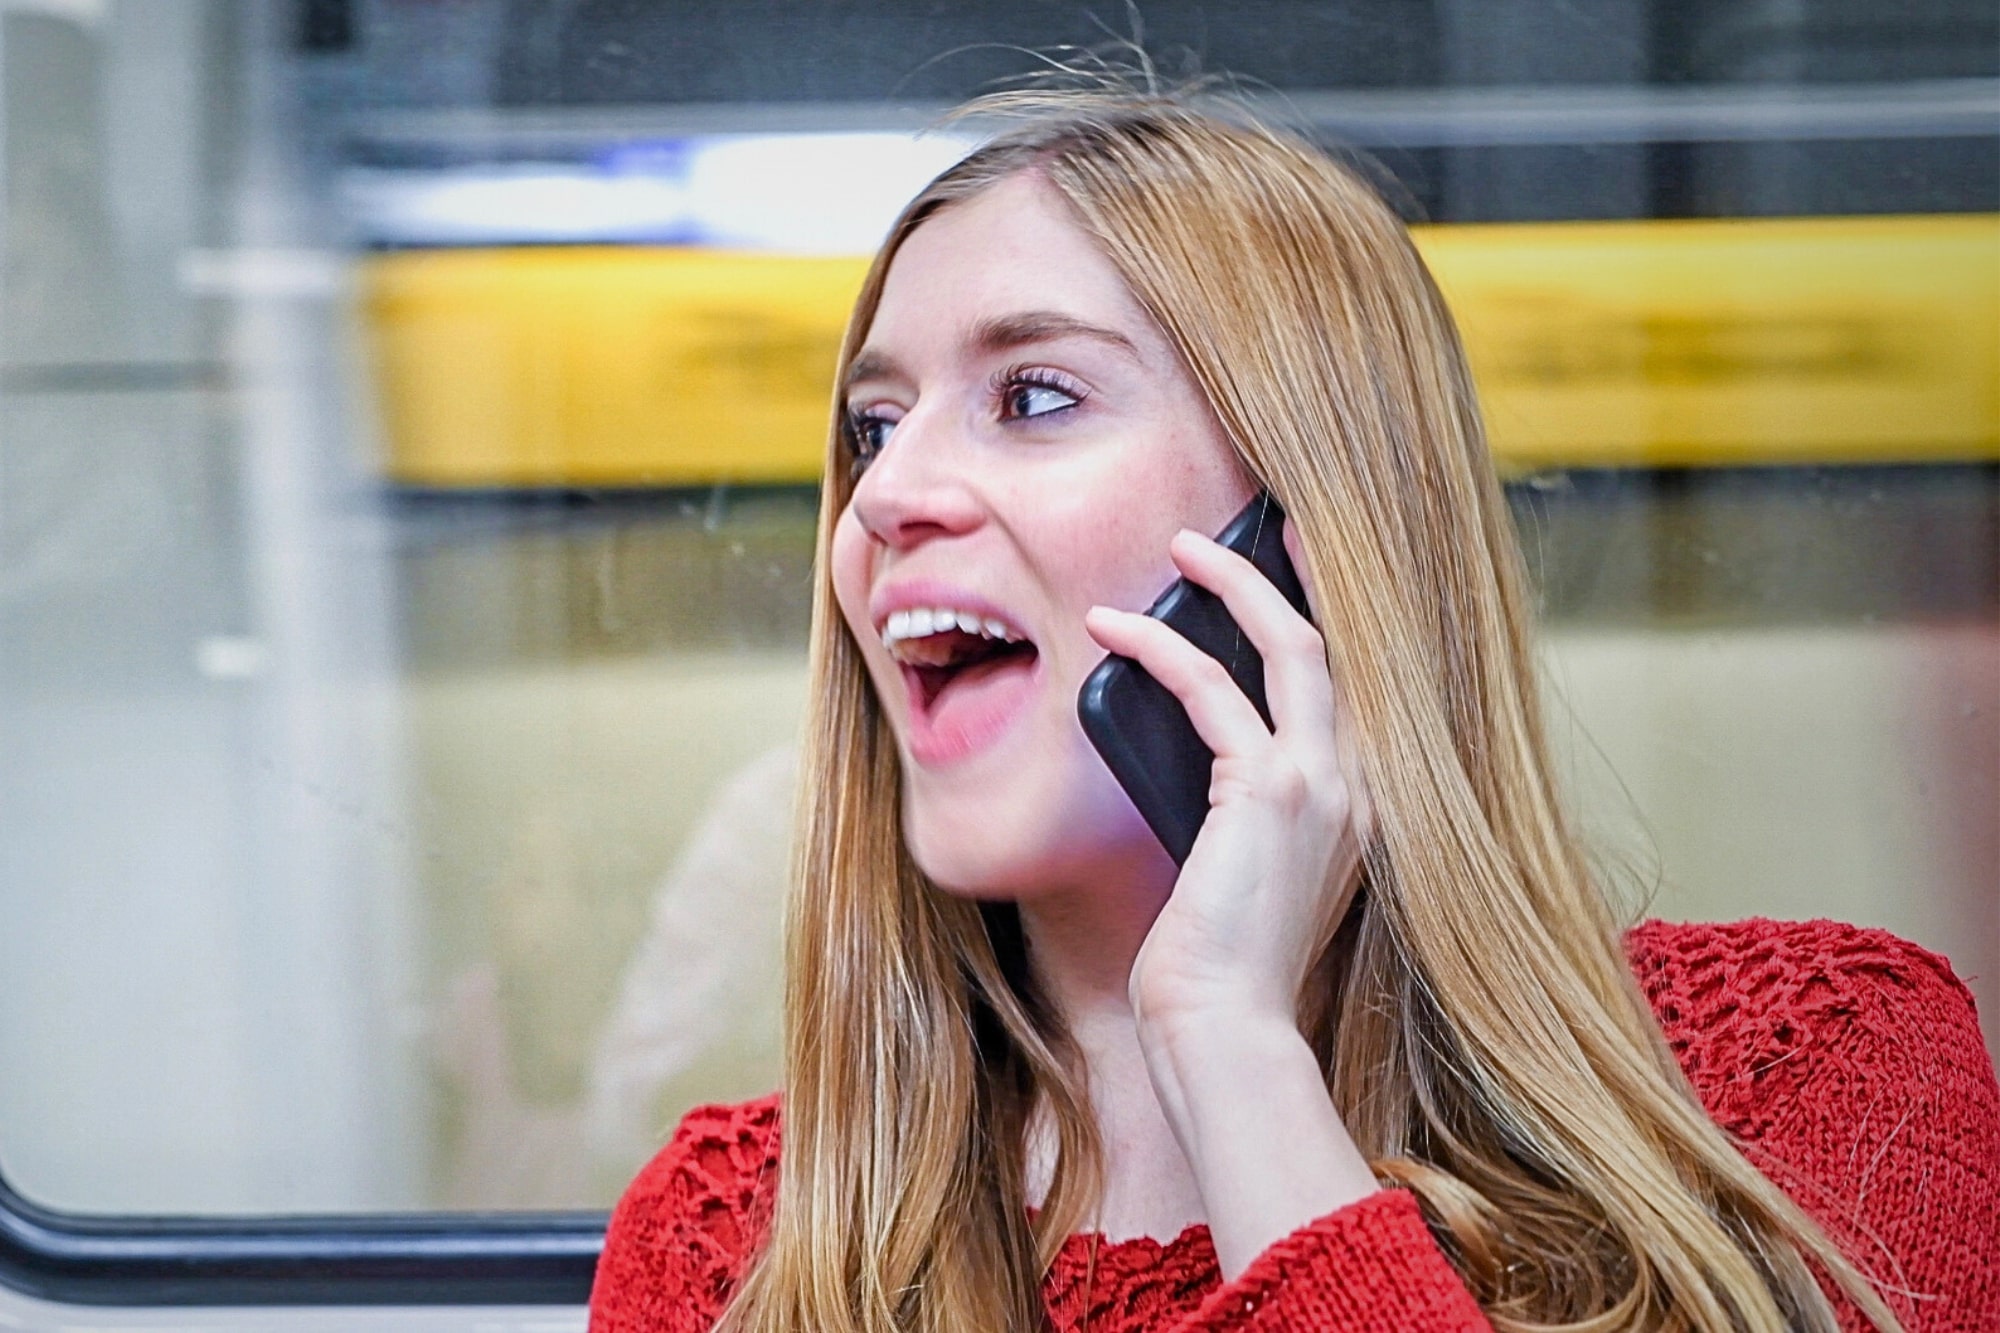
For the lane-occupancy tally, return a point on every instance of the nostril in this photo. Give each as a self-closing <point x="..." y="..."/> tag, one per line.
<point x="904" y="531"/>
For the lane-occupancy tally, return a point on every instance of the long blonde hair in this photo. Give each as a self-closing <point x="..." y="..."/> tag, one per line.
<point x="1482" y="1034"/>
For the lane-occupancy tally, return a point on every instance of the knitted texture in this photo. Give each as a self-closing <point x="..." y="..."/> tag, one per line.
<point x="1848" y="1064"/>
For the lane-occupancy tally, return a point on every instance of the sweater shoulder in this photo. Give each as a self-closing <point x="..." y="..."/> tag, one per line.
<point x="688" y="1224"/>
<point x="1849" y="1066"/>
<point x="1835" y="945"/>
<point x="1740" y="1002"/>
<point x="726" y="1153"/>
<point x="1728" y="978"/>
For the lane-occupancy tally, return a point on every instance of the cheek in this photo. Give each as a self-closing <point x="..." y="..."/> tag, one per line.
<point x="1111" y="546"/>
<point x="1073" y="525"/>
<point x="848" y="567"/>
<point x="1125" y="565"/>
<point x="850" y="562"/>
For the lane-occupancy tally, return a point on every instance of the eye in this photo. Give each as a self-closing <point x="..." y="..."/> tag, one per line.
<point x="867" y="435"/>
<point x="1036" y="393"/>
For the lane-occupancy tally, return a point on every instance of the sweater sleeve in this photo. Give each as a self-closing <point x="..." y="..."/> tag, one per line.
<point x="1850" y="1068"/>
<point x="685" y="1228"/>
<point x="1848" y="1064"/>
<point x="1371" y="1267"/>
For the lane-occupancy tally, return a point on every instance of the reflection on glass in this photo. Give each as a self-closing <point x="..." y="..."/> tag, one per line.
<point x="409" y="429"/>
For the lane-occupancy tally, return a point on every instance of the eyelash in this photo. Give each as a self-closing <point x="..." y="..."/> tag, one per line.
<point x="860" y="453"/>
<point x="1035" y="377"/>
<point x="1006" y="382"/>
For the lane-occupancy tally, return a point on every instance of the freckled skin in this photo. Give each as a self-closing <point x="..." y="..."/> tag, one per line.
<point x="1045" y="516"/>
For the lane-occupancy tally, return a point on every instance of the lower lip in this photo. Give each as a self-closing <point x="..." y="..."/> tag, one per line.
<point x="969" y="716"/>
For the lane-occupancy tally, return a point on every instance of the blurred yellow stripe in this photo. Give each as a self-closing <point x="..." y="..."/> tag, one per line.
<point x="1701" y="343"/>
<point x="1677" y="343"/>
<point x="606" y="366"/>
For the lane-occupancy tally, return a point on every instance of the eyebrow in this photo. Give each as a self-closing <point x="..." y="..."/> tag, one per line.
<point x="1001" y="334"/>
<point x="1006" y="332"/>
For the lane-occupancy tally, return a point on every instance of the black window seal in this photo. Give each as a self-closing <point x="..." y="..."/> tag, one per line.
<point x="526" y="1258"/>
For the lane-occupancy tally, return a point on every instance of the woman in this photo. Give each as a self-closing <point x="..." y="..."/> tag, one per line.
<point x="1374" y="1057"/>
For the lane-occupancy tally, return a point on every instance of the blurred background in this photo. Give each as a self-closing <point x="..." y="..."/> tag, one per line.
<point x="410" y="414"/>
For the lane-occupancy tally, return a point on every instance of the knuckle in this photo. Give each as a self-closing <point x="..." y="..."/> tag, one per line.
<point x="1307" y="640"/>
<point x="1210" y="673"/>
<point x="1224" y="789"/>
<point x="1326" y="779"/>
<point x="1285" y="786"/>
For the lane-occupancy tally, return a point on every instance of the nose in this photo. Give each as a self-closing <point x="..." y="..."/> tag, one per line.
<point x="918" y="488"/>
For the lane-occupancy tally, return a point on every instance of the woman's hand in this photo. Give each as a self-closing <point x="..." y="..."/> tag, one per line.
<point x="1277" y="860"/>
<point x="1215" y="986"/>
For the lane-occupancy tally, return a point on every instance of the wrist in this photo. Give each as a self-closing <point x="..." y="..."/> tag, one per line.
<point x="1209" y="1056"/>
<point x="1247" y="1100"/>
<point x="1215" y="1024"/>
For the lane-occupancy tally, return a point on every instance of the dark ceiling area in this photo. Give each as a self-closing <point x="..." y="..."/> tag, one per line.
<point x="621" y="52"/>
<point x="1681" y="63"/>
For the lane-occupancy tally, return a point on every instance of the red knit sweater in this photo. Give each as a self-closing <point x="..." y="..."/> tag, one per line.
<point x="1847" y="1063"/>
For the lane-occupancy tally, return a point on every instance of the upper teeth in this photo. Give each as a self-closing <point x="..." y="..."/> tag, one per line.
<point x="922" y="622"/>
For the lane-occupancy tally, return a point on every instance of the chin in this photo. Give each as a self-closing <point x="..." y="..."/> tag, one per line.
<point x="979" y="859"/>
<point x="998" y="854"/>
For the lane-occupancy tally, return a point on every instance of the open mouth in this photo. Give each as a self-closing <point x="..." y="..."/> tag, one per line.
<point x="944" y="650"/>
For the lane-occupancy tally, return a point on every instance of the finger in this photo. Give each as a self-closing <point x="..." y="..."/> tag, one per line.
<point x="1296" y="682"/>
<point x="1222" y="714"/>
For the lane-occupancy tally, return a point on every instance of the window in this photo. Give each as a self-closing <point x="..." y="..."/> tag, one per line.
<point x="410" y="417"/>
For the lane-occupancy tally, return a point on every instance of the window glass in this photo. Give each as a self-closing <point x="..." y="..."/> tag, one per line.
<point x="410" y="423"/>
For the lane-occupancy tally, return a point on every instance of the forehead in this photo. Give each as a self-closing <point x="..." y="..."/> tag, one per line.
<point x="1014" y="246"/>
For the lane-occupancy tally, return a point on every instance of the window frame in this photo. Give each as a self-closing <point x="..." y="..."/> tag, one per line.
<point x="429" y="1259"/>
<point x="549" y="1258"/>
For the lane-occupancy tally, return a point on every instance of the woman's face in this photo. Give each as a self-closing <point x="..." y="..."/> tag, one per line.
<point x="1031" y="442"/>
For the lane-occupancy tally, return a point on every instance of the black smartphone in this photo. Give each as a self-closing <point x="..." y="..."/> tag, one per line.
<point x="1141" y="729"/>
